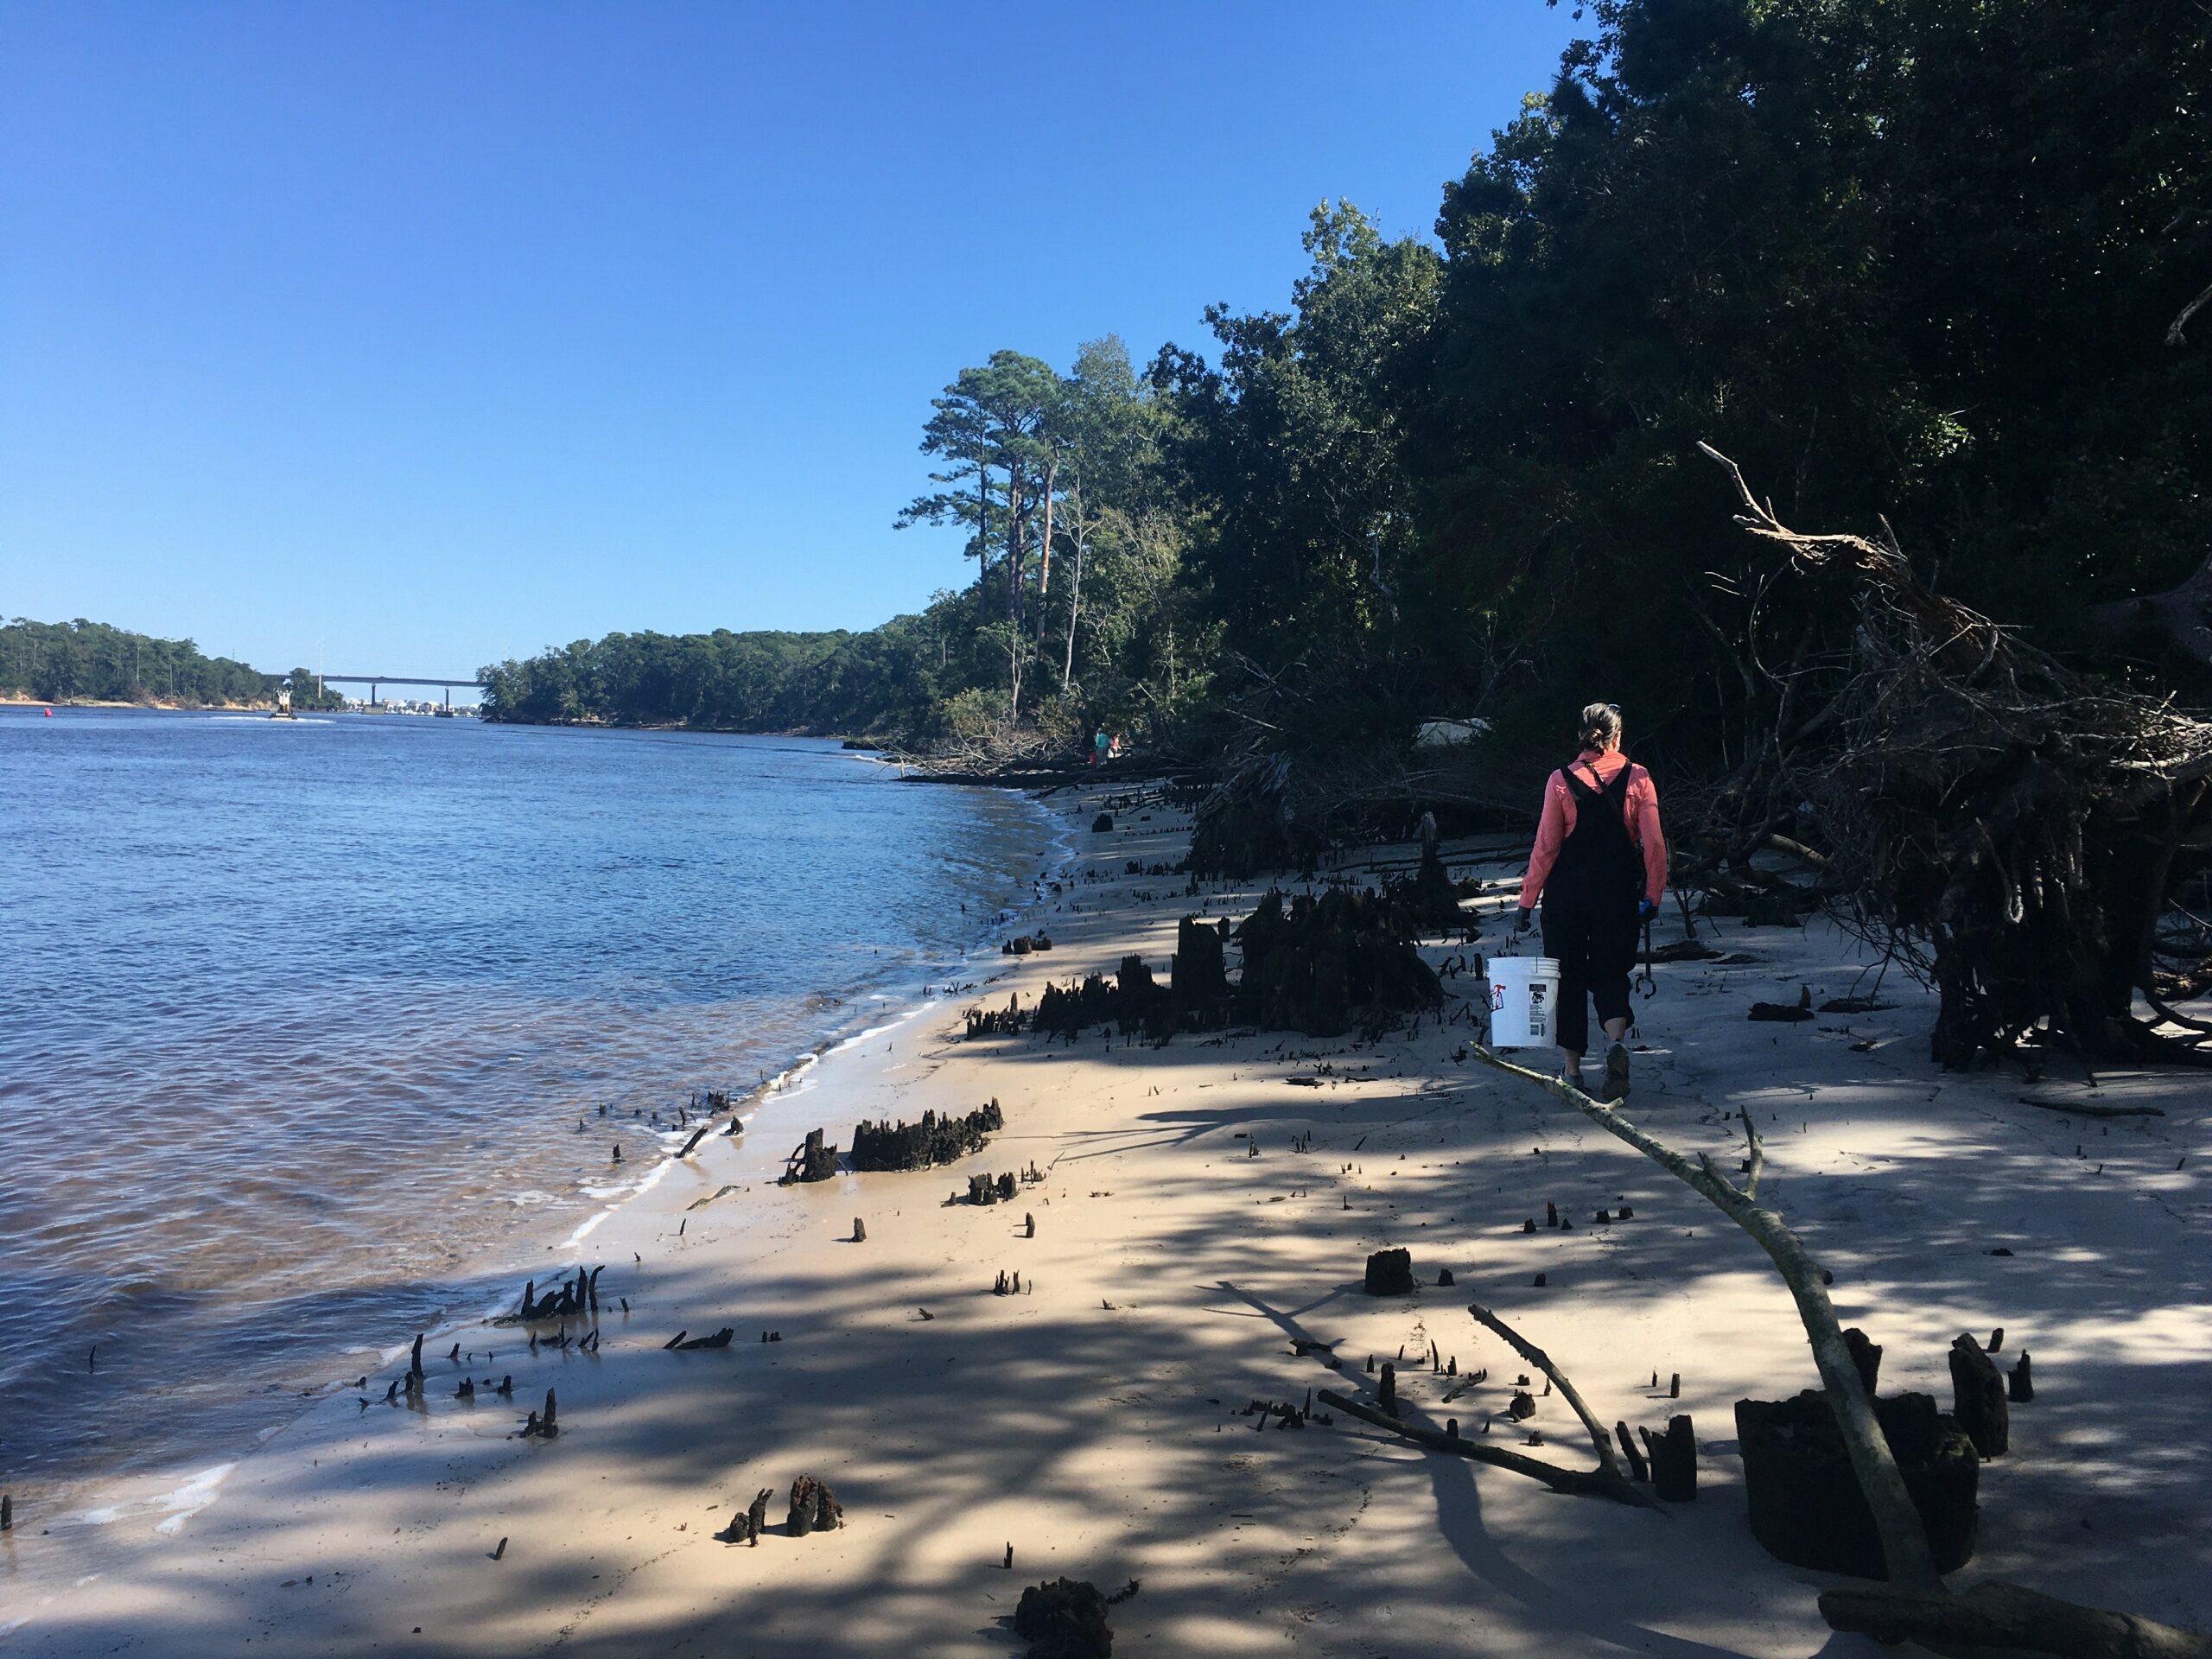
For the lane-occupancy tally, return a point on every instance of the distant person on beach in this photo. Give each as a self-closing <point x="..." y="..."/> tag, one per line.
<point x="1098" y="747"/>
<point x="1599" y="866"/>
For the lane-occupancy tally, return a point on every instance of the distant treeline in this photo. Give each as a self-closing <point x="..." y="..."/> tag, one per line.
<point x="1939" y="262"/>
<point x="91" y="662"/>
<point x="834" y="682"/>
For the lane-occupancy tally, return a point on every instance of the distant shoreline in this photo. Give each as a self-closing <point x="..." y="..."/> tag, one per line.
<point x="20" y="700"/>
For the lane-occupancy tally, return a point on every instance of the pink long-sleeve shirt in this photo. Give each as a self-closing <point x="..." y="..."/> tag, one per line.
<point x="1641" y="809"/>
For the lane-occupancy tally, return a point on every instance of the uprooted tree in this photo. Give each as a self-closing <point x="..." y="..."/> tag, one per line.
<point x="2018" y="832"/>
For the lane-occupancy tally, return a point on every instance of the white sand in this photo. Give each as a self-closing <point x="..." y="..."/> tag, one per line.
<point x="1103" y="1441"/>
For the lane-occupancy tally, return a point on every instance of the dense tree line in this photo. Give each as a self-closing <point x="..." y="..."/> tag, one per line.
<point x="1930" y="260"/>
<point x="91" y="662"/>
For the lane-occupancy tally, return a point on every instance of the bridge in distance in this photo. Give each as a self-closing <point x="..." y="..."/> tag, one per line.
<point x="377" y="682"/>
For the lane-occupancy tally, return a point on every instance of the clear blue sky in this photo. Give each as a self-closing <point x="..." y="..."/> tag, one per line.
<point x="440" y="331"/>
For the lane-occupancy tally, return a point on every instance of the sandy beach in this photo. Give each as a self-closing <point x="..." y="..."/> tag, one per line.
<point x="1096" y="1422"/>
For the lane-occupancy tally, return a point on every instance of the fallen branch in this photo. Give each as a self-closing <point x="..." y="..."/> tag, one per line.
<point x="2006" y="1616"/>
<point x="1599" y="1483"/>
<point x="1904" y="1540"/>
<point x="2082" y="1108"/>
<point x="1541" y="1360"/>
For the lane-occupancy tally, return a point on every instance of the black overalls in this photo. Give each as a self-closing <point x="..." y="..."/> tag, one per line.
<point x="1590" y="908"/>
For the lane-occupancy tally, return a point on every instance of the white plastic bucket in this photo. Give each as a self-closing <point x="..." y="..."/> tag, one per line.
<point x="1523" y="1001"/>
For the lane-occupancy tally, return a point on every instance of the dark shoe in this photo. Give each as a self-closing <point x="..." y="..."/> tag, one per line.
<point x="1616" y="1084"/>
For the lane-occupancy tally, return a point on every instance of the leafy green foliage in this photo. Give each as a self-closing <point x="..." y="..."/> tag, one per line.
<point x="91" y="662"/>
<point x="1917" y="259"/>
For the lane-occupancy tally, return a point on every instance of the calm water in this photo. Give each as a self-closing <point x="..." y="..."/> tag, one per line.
<point x="296" y="1021"/>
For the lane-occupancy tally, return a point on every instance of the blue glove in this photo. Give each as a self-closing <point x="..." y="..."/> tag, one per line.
<point x="1646" y="911"/>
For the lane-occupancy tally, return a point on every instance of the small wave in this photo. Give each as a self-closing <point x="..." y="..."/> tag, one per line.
<point x="190" y="1499"/>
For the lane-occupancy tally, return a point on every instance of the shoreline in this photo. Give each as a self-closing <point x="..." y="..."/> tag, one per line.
<point x="68" y="1493"/>
<point x="1182" y="1242"/>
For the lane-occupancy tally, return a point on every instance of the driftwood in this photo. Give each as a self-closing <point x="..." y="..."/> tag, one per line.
<point x="2005" y="1615"/>
<point x="1990" y="1615"/>
<point x="1905" y="1541"/>
<point x="1604" y="1480"/>
<point x="1580" y="1482"/>
<point x="2091" y="1109"/>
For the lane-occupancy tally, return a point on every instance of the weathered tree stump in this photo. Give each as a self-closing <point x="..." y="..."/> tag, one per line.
<point x="1523" y="1404"/>
<point x="1806" y="1504"/>
<point x="860" y="1230"/>
<point x="1636" y="1467"/>
<point x="814" y="1508"/>
<point x="1673" y="1460"/>
<point x="1101" y="823"/>
<point x="1385" y="1393"/>
<point x="982" y="1190"/>
<point x="812" y="1160"/>
<point x="1390" y="1273"/>
<point x="1866" y="1355"/>
<point x="1978" y="1391"/>
<point x="2019" y="1385"/>
<point x="1065" y="1620"/>
<point x="933" y="1141"/>
<point x="1199" y="981"/>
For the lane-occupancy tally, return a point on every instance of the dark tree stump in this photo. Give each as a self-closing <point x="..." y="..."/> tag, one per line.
<point x="1979" y="1398"/>
<point x="1805" y="1505"/>
<point x="1673" y="1460"/>
<point x="1200" y="976"/>
<point x="1101" y="823"/>
<point x="1637" y="1469"/>
<point x="1387" y="1393"/>
<point x="1390" y="1273"/>
<point x="814" y="1508"/>
<point x="918" y="1146"/>
<point x="2020" y="1386"/>
<point x="1065" y="1620"/>
<point x="813" y="1162"/>
<point x="1866" y="1355"/>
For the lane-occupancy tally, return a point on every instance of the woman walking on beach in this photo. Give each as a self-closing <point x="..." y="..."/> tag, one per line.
<point x="1599" y="866"/>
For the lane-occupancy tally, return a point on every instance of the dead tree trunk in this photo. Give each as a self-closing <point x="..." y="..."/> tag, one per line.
<point x="1905" y="1541"/>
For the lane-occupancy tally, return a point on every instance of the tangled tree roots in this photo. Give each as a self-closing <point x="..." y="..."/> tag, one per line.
<point x="2010" y="827"/>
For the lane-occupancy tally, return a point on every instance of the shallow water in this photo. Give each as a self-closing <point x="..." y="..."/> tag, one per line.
<point x="297" y="1022"/>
